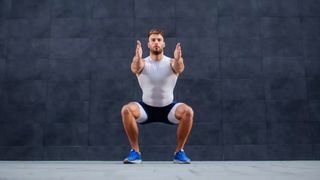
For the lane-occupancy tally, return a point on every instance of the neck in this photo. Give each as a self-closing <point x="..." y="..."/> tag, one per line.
<point x="156" y="57"/>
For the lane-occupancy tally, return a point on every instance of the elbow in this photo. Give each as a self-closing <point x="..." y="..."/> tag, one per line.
<point x="133" y="69"/>
<point x="181" y="69"/>
<point x="136" y="70"/>
<point x="178" y="70"/>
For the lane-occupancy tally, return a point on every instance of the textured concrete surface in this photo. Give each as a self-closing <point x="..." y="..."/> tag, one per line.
<point x="255" y="170"/>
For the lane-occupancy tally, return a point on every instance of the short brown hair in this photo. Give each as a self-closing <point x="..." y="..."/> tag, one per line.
<point x="156" y="31"/>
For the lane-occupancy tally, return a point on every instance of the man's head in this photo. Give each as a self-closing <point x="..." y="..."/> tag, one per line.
<point x="156" y="42"/>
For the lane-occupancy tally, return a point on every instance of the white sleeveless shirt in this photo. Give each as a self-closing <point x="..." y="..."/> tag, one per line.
<point x="157" y="81"/>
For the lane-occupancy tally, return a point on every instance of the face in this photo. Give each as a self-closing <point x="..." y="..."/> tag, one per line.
<point x="156" y="44"/>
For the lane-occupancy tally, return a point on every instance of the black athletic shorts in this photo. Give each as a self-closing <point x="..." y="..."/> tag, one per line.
<point x="158" y="114"/>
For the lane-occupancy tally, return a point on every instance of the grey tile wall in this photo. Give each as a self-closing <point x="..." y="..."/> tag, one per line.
<point x="252" y="77"/>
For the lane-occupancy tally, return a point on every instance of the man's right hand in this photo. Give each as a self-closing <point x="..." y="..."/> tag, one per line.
<point x="138" y="50"/>
<point x="137" y="61"/>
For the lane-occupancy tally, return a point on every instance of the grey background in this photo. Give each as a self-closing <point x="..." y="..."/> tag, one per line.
<point x="252" y="77"/>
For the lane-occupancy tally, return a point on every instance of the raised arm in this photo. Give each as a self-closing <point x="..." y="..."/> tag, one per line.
<point x="137" y="61"/>
<point x="177" y="63"/>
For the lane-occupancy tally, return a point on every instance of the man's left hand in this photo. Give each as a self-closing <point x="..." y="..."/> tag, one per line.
<point x="177" y="52"/>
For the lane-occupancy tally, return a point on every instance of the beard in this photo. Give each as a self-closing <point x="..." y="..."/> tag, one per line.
<point x="156" y="52"/>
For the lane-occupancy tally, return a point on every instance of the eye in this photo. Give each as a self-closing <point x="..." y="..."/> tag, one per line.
<point x="159" y="40"/>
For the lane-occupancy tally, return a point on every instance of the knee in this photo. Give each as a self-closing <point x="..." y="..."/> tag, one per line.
<point x="125" y="111"/>
<point x="188" y="112"/>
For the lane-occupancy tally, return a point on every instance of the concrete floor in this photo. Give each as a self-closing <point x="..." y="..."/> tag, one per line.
<point x="151" y="170"/>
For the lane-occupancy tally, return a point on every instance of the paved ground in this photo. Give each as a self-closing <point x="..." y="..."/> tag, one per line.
<point x="218" y="170"/>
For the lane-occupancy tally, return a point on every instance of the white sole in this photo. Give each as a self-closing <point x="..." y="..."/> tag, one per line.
<point x="181" y="162"/>
<point x="132" y="162"/>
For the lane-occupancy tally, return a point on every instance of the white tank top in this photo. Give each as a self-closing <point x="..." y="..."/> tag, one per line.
<point x="157" y="81"/>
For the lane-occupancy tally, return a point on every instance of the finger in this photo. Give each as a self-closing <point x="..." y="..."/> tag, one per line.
<point x="138" y="51"/>
<point x="178" y="45"/>
<point x="138" y="48"/>
<point x="138" y="43"/>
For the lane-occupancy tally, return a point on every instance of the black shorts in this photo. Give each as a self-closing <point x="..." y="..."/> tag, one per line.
<point x="150" y="114"/>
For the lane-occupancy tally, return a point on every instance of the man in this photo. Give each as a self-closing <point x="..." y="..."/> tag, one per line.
<point x="157" y="75"/>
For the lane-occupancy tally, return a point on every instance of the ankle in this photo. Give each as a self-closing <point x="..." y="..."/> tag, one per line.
<point x="136" y="150"/>
<point x="177" y="150"/>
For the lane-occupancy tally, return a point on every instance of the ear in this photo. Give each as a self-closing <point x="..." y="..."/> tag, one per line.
<point x="148" y="45"/>
<point x="164" y="44"/>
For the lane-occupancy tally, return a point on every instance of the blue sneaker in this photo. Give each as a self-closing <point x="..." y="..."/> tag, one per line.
<point x="133" y="158"/>
<point x="180" y="157"/>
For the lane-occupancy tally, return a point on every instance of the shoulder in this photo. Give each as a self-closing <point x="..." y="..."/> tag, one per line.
<point x="168" y="59"/>
<point x="146" y="58"/>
